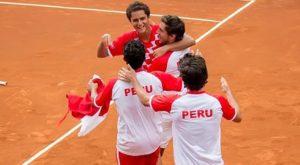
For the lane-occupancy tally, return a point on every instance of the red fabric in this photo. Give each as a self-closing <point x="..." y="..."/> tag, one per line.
<point x="117" y="46"/>
<point x="228" y="110"/>
<point x="163" y="102"/>
<point x="150" y="159"/>
<point x="169" y="82"/>
<point x="160" y="63"/>
<point x="80" y="106"/>
<point x="106" y="95"/>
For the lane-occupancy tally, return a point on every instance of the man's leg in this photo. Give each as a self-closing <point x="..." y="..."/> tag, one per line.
<point x="159" y="160"/>
<point x="166" y="136"/>
<point x="153" y="158"/>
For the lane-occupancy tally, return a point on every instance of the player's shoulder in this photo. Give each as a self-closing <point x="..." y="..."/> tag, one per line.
<point x="129" y="35"/>
<point x="158" y="73"/>
<point x="217" y="99"/>
<point x="175" y="96"/>
<point x="148" y="78"/>
<point x="146" y="74"/>
<point x="174" y="99"/>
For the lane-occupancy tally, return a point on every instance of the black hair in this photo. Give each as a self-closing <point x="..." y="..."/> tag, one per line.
<point x="193" y="71"/>
<point x="136" y="6"/>
<point x="134" y="53"/>
<point x="174" y="25"/>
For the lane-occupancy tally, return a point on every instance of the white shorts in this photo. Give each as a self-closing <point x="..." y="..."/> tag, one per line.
<point x="167" y="129"/>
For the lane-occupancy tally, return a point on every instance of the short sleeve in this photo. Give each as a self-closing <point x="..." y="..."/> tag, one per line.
<point x="162" y="102"/>
<point x="159" y="63"/>
<point x="169" y="82"/>
<point x="229" y="112"/>
<point x="117" y="46"/>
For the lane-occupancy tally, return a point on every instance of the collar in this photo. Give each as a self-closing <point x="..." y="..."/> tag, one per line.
<point x="139" y="69"/>
<point x="195" y="92"/>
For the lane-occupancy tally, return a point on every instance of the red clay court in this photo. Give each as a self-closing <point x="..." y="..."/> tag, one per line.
<point x="48" y="48"/>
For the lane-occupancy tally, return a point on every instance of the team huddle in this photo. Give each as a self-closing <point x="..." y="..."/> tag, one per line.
<point x="160" y="95"/>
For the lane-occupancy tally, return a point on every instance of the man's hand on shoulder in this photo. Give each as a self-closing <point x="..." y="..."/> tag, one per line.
<point x="127" y="74"/>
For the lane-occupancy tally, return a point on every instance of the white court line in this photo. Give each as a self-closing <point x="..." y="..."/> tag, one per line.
<point x="113" y="11"/>
<point x="51" y="145"/>
<point x="224" y="20"/>
<point x="54" y="143"/>
<point x="96" y="10"/>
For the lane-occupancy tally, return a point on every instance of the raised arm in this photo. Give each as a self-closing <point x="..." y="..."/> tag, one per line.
<point x="186" y="42"/>
<point x="103" y="46"/>
<point x="231" y="100"/>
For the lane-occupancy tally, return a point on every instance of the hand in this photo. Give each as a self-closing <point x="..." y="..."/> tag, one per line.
<point x="197" y="53"/>
<point x="161" y="51"/>
<point x="92" y="86"/>
<point x="127" y="74"/>
<point x="224" y="85"/>
<point x="106" y="39"/>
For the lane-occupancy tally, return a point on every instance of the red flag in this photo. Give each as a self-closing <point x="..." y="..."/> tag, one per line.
<point x="81" y="106"/>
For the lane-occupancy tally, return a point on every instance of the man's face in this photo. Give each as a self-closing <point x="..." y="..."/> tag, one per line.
<point x="140" y="21"/>
<point x="164" y="37"/>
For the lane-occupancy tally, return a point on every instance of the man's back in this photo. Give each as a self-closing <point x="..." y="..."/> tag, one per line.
<point x="197" y="119"/>
<point x="139" y="128"/>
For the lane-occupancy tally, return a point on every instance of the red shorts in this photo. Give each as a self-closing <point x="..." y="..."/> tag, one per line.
<point x="150" y="159"/>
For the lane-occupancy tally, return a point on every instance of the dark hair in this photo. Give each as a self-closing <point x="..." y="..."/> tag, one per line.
<point x="174" y="25"/>
<point x="134" y="53"/>
<point x="193" y="71"/>
<point x="136" y="6"/>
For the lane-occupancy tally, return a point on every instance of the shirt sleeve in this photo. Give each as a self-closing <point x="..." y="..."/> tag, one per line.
<point x="159" y="63"/>
<point x="169" y="82"/>
<point x="162" y="102"/>
<point x="105" y="97"/>
<point x="117" y="46"/>
<point x="229" y="112"/>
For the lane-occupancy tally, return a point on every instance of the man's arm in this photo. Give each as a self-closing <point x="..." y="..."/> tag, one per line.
<point x="104" y="97"/>
<point x="186" y="42"/>
<point x="140" y="91"/>
<point x="103" y="50"/>
<point x="231" y="100"/>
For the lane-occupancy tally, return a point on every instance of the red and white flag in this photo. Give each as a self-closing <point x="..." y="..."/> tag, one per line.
<point x="82" y="108"/>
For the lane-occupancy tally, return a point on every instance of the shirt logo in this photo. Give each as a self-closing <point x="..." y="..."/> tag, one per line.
<point x="131" y="91"/>
<point x="200" y="113"/>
